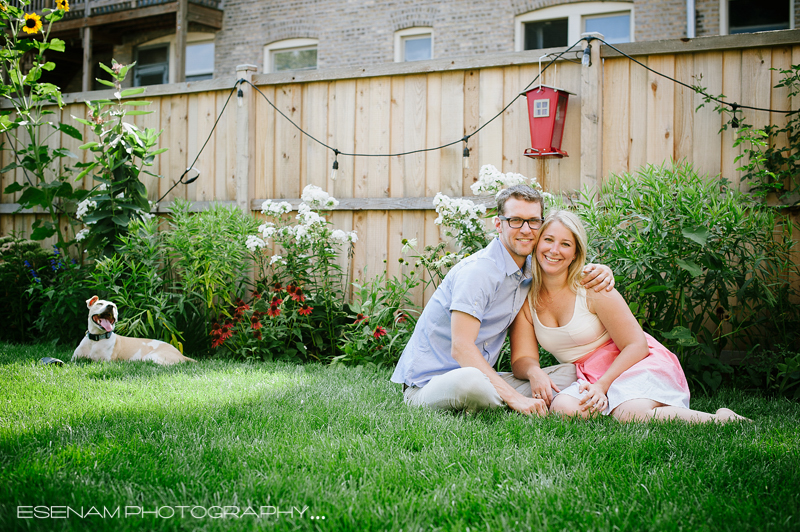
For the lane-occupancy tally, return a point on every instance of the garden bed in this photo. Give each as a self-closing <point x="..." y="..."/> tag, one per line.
<point x="338" y="442"/>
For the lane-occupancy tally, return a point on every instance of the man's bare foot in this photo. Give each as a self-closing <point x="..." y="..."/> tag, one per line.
<point x="726" y="414"/>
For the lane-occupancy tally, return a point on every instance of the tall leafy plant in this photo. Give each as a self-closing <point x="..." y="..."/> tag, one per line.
<point x="703" y="266"/>
<point x="30" y="126"/>
<point x="122" y="152"/>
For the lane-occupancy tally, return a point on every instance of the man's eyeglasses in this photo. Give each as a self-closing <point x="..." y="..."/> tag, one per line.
<point x="517" y="223"/>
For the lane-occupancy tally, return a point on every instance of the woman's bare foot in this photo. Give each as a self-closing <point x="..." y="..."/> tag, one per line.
<point x="726" y="414"/>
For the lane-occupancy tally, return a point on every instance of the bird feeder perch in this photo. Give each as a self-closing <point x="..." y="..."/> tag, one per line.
<point x="547" y="112"/>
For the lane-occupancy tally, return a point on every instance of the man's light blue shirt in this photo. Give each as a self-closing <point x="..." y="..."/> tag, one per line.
<point x="488" y="286"/>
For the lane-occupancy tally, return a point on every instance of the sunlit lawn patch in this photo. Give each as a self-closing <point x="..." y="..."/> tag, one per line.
<point x="338" y="442"/>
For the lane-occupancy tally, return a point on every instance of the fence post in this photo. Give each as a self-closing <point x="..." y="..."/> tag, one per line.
<point x="244" y="126"/>
<point x="592" y="116"/>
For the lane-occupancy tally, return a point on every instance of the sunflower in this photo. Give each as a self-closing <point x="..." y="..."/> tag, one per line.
<point x="33" y="23"/>
<point x="63" y="5"/>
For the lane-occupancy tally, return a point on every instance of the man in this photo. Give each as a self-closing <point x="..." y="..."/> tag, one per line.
<point x="448" y="362"/>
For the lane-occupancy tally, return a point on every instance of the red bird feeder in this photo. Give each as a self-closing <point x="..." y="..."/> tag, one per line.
<point x="547" y="111"/>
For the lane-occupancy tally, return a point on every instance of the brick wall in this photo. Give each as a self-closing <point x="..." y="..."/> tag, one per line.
<point x="361" y="32"/>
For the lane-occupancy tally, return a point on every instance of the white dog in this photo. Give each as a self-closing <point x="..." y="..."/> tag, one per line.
<point x="102" y="344"/>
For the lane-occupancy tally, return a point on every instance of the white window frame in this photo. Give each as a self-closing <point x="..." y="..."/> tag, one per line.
<point x="400" y="36"/>
<point x="724" y="25"/>
<point x="575" y="14"/>
<point x="286" y="45"/>
<point x="194" y="37"/>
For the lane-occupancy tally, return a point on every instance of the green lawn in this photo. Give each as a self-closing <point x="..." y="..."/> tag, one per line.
<point x="217" y="437"/>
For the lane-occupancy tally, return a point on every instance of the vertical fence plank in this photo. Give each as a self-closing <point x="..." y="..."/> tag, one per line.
<point x="637" y="116"/>
<point x="512" y="119"/>
<point x="472" y="120"/>
<point x="660" y="108"/>
<point x="341" y="128"/>
<point x="414" y="131"/>
<point x="397" y="137"/>
<point x="568" y="173"/>
<point x="616" y="99"/>
<point x="287" y="141"/>
<point x="732" y="89"/>
<point x="315" y="122"/>
<point x="452" y="128"/>
<point x="707" y="152"/>
<point x="491" y="103"/>
<point x="264" y="153"/>
<point x="781" y="60"/>
<point x="362" y="132"/>
<point x="684" y="108"/>
<point x="173" y="163"/>
<point x="206" y="115"/>
<point x="433" y="135"/>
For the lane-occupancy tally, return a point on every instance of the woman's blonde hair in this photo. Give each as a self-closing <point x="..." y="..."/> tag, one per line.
<point x="575" y="271"/>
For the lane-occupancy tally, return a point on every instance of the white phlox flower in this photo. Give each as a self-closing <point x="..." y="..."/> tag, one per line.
<point x="308" y="217"/>
<point x="254" y="242"/>
<point x="84" y="207"/>
<point x="275" y="209"/>
<point x="267" y="230"/>
<point x="316" y="197"/>
<point x="276" y="258"/>
<point x="339" y="236"/>
<point x="352" y="237"/>
<point x="83" y="233"/>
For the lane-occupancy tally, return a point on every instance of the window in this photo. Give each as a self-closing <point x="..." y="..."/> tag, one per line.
<point x="413" y="44"/>
<point x="563" y="25"/>
<point x="155" y="60"/>
<point x="546" y="34"/>
<point x="749" y="16"/>
<point x="541" y="108"/>
<point x="152" y="65"/>
<point x="291" y="54"/>
<point x="199" y="61"/>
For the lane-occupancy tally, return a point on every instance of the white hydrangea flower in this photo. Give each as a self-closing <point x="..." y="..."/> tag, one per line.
<point x="82" y="234"/>
<point x="267" y="230"/>
<point x="300" y="232"/>
<point x="254" y="242"/>
<point x="352" y="237"/>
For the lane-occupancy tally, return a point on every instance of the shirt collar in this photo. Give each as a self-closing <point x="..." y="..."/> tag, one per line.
<point x="510" y="265"/>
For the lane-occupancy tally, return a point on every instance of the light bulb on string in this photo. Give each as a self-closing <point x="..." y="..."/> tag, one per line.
<point x="465" y="154"/>
<point x="240" y="98"/>
<point x="587" y="56"/>
<point x="335" y="168"/>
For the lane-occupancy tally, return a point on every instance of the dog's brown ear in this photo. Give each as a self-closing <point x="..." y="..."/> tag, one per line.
<point x="90" y="302"/>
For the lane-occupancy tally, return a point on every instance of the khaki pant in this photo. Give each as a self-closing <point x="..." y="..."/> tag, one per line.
<point x="469" y="389"/>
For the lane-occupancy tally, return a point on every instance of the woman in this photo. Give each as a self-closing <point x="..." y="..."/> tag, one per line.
<point x="621" y="370"/>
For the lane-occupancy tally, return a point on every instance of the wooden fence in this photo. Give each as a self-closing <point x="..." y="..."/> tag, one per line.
<point x="621" y="118"/>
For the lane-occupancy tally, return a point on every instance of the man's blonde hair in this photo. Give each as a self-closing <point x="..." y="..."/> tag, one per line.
<point x="575" y="271"/>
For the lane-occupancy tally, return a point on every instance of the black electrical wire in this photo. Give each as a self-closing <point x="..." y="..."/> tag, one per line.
<point x="219" y="116"/>
<point x="733" y="106"/>
<point x="465" y="138"/>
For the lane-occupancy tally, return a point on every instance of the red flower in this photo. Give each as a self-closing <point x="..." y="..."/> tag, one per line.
<point x="401" y="318"/>
<point x="359" y="318"/>
<point x="305" y="310"/>
<point x="257" y="335"/>
<point x="277" y="287"/>
<point x="379" y="331"/>
<point x="256" y="295"/>
<point x="255" y="323"/>
<point x="276" y="301"/>
<point x="274" y="311"/>
<point x="296" y="293"/>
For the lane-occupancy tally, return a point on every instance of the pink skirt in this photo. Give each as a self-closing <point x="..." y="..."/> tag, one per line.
<point x="658" y="377"/>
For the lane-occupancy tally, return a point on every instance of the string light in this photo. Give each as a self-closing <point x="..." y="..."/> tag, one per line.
<point x="735" y="119"/>
<point x="587" y="55"/>
<point x="335" y="168"/>
<point x="240" y="98"/>
<point x="466" y="153"/>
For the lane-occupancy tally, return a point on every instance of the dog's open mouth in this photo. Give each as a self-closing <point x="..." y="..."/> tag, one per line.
<point x="105" y="320"/>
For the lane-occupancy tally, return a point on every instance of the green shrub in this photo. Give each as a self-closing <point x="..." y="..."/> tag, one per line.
<point x="702" y="266"/>
<point x="23" y="264"/>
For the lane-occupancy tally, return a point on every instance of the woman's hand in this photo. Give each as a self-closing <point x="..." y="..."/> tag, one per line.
<point x="594" y="400"/>
<point x="542" y="386"/>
